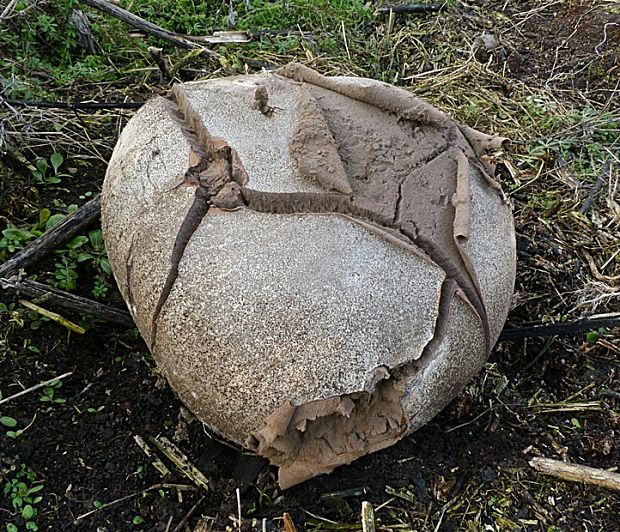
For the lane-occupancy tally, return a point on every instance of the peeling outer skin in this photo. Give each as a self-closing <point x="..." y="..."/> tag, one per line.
<point x="461" y="200"/>
<point x="464" y="273"/>
<point x="311" y="118"/>
<point x="316" y="437"/>
<point x="322" y="161"/>
<point x="482" y="143"/>
<point x="381" y="95"/>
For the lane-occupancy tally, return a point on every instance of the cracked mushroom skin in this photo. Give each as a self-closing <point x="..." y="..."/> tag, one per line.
<point x="318" y="264"/>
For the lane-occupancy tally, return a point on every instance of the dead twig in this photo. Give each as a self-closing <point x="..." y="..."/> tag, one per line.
<point x="188" y="515"/>
<point x="65" y="300"/>
<point x="47" y="242"/>
<point x="289" y="526"/>
<point x="7" y="12"/>
<point x="157" y="463"/>
<point x="61" y="320"/>
<point x="157" y="55"/>
<point x="130" y="496"/>
<point x="587" y="323"/>
<point x="239" y="518"/>
<point x="368" y="517"/>
<point x="596" y="189"/>
<point x="148" y="27"/>
<point x="181" y="461"/>
<point x="611" y="280"/>
<point x="35" y="387"/>
<point x="88" y="106"/>
<point x="410" y="9"/>
<point x="343" y="494"/>
<point x="576" y="473"/>
<point x="85" y="37"/>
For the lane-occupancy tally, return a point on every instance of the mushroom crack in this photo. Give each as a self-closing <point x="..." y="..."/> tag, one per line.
<point x="215" y="173"/>
<point x="220" y="179"/>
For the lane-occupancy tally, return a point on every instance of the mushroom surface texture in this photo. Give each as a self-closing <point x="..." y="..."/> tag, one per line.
<point x="318" y="264"/>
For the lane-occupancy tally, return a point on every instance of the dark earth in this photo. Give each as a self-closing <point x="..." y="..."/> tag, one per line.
<point x="466" y="470"/>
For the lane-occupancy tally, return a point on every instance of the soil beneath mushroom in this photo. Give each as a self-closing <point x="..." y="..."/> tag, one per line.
<point x="84" y="450"/>
<point x="556" y="46"/>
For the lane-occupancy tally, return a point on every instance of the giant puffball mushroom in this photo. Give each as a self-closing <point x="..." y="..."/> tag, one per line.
<point x="318" y="264"/>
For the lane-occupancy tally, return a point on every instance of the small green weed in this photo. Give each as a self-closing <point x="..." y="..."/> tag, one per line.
<point x="22" y="491"/>
<point x="18" y="315"/>
<point x="10" y="422"/>
<point x="46" y="175"/>
<point x="84" y="249"/>
<point x="65" y="274"/>
<point x="89" y="250"/>
<point x="48" y="395"/>
<point x="14" y="238"/>
<point x="95" y="254"/>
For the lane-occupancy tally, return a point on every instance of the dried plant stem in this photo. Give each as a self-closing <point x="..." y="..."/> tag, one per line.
<point x="65" y="300"/>
<point x="576" y="473"/>
<point x="368" y="517"/>
<point x="35" y="387"/>
<point x="53" y="316"/>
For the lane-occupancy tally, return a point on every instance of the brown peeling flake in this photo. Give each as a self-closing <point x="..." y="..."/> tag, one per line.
<point x="238" y="170"/>
<point x="278" y="423"/>
<point x="461" y="199"/>
<point x="487" y="170"/>
<point x="314" y="149"/>
<point x="483" y="143"/>
<point x="381" y="95"/>
<point x="194" y="157"/>
<point x="325" y="434"/>
<point x="261" y="101"/>
<point x="228" y="198"/>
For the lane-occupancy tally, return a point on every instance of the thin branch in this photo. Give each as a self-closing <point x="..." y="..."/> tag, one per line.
<point x="65" y="300"/>
<point x="181" y="461"/>
<point x="587" y="323"/>
<point x="146" y="26"/>
<point x="50" y="240"/>
<point x="410" y="9"/>
<point x="368" y="517"/>
<point x="35" y="387"/>
<point x="189" y="514"/>
<point x="131" y="496"/>
<point x="53" y="316"/>
<point x="576" y="472"/>
<point x="92" y="106"/>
